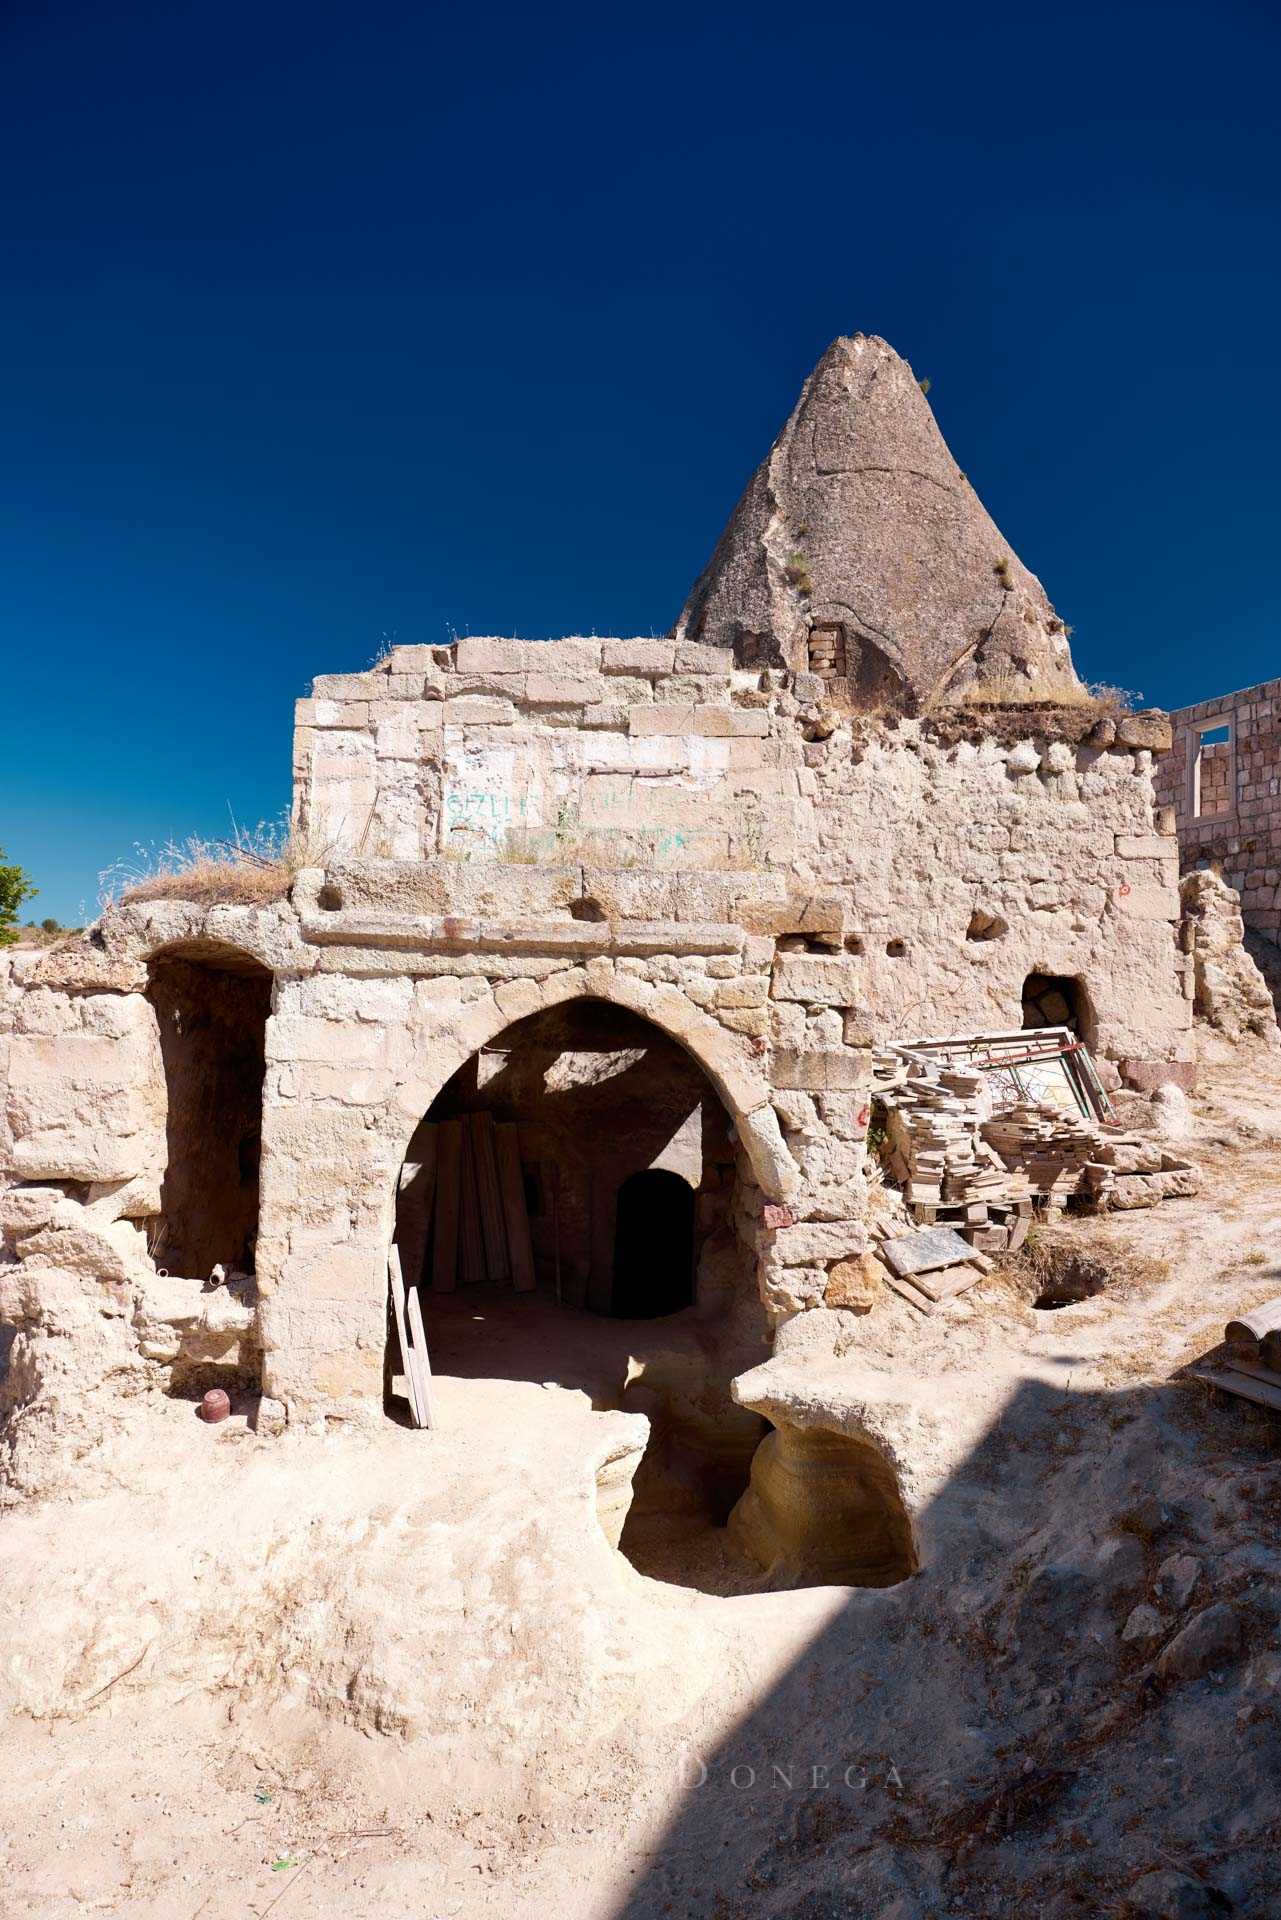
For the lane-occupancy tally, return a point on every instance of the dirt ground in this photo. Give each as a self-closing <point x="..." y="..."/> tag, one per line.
<point x="390" y="1673"/>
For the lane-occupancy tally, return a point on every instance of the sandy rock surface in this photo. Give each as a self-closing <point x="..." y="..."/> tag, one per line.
<point x="385" y="1673"/>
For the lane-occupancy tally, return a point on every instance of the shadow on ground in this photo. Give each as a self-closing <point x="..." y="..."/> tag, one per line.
<point x="1074" y="1709"/>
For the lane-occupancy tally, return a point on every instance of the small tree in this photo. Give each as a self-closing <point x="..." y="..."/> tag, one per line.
<point x="14" y="889"/>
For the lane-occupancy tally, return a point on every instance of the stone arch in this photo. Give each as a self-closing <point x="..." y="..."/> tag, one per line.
<point x="201" y="950"/>
<point x="743" y="1090"/>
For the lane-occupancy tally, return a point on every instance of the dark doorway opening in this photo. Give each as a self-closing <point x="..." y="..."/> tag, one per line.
<point x="211" y="1007"/>
<point x="653" y="1246"/>
<point x="592" y="1137"/>
<point x="1057" y="1000"/>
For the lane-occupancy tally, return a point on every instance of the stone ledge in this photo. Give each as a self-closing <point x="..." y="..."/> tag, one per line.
<point x="453" y="933"/>
<point x="710" y="722"/>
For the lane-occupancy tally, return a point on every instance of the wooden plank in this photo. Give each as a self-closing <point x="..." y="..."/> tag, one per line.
<point x="420" y="1361"/>
<point x="470" y="1240"/>
<point x="1236" y="1363"/>
<point x="921" y="1301"/>
<point x="944" y="1285"/>
<point x="512" y="1188"/>
<point x="413" y="1207"/>
<point x="1246" y="1386"/>
<point x="444" y="1265"/>
<point x="396" y="1280"/>
<point x="493" y="1231"/>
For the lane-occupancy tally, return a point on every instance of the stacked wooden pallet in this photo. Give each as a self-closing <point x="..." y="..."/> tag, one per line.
<point x="963" y="1162"/>
<point x="462" y="1215"/>
<point x="1252" y="1366"/>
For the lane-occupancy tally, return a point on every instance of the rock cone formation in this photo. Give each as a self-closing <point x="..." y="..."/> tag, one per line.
<point x="860" y="542"/>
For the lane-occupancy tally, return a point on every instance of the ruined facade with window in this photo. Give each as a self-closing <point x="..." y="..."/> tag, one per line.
<point x="1222" y="778"/>
<point x="648" y="905"/>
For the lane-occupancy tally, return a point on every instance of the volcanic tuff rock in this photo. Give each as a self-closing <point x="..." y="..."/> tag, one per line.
<point x="859" y="520"/>
<point x="1230" y="991"/>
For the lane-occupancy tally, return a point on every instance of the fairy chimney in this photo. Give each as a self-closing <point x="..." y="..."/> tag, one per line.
<point x="859" y="537"/>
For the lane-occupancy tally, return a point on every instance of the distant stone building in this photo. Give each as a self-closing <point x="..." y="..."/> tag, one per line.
<point x="1223" y="780"/>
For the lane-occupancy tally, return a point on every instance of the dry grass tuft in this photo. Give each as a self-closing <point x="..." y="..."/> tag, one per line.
<point x="1055" y="1268"/>
<point x="215" y="883"/>
<point x="253" y="867"/>
<point x="1006" y="688"/>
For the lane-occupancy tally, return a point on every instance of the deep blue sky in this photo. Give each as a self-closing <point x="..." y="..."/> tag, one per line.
<point x="324" y="322"/>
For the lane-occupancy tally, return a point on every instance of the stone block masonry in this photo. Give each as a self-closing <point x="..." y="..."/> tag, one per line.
<point x="1222" y="780"/>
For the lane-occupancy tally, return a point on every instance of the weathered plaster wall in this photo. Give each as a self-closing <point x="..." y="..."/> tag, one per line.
<point x="969" y="866"/>
<point x="659" y="789"/>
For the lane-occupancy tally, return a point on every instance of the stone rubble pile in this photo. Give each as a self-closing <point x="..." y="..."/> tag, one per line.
<point x="1049" y="1149"/>
<point x="985" y="1171"/>
<point x="949" y="1174"/>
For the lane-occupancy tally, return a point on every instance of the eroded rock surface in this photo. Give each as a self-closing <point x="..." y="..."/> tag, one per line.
<point x="860" y="538"/>
<point x="1230" y="992"/>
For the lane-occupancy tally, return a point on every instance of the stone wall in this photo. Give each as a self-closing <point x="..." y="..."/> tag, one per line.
<point x="659" y="789"/>
<point x="503" y="829"/>
<point x="1226" y="796"/>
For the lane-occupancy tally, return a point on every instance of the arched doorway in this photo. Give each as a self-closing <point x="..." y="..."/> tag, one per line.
<point x="586" y="1146"/>
<point x="561" y="1120"/>
<point x="653" y="1246"/>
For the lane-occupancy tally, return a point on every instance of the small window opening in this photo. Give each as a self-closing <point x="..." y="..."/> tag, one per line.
<point x="1055" y="1000"/>
<point x="1212" y="772"/>
<point x="896" y="949"/>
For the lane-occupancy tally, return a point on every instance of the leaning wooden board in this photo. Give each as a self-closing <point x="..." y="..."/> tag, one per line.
<point x="471" y="1240"/>
<point x="444" y="1268"/>
<point x="411" y="1377"/>
<point x="419" y="1360"/>
<point x="493" y="1229"/>
<point x="512" y="1187"/>
<point x="414" y="1206"/>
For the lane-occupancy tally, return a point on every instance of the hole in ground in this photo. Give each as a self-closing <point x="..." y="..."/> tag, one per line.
<point x="671" y="1507"/>
<point x="1053" y="1274"/>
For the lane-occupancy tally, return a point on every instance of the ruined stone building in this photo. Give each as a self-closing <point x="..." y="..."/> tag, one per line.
<point x="650" y="901"/>
<point x="1223" y="779"/>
